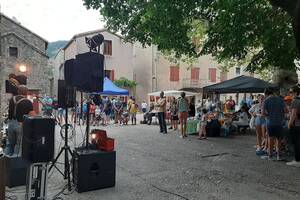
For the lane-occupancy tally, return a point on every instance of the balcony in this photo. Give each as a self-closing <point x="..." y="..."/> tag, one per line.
<point x="193" y="83"/>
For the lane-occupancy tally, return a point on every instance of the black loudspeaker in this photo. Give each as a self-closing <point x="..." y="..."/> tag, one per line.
<point x="38" y="139"/>
<point x="10" y="87"/>
<point x="86" y="72"/>
<point x="16" y="169"/>
<point x="69" y="71"/>
<point x="94" y="169"/>
<point x="66" y="95"/>
<point x="213" y="128"/>
<point x="22" y="79"/>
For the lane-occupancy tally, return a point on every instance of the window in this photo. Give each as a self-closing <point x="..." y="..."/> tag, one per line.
<point x="223" y="76"/>
<point x="110" y="74"/>
<point x="237" y="71"/>
<point x="212" y="75"/>
<point x="13" y="52"/>
<point x="107" y="47"/>
<point x="195" y="73"/>
<point x="174" y="73"/>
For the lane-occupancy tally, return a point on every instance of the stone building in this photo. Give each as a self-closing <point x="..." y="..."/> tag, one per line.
<point x="21" y="47"/>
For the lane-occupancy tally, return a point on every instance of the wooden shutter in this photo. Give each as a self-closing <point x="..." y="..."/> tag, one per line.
<point x="212" y="75"/>
<point x="195" y="73"/>
<point x="107" y="47"/>
<point x="113" y="75"/>
<point x="223" y="76"/>
<point x="174" y="73"/>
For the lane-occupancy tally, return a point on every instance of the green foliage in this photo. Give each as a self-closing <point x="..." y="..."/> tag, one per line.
<point x="125" y="83"/>
<point x="251" y="30"/>
<point x="232" y="31"/>
<point x="53" y="47"/>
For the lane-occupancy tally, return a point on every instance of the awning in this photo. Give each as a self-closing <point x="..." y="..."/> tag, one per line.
<point x="241" y="84"/>
<point x="109" y="88"/>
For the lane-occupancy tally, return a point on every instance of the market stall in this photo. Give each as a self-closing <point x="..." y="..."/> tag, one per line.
<point x="241" y="84"/>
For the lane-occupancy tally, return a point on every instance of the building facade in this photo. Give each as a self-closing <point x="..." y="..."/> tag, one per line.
<point x="151" y="70"/>
<point x="21" y="47"/>
<point x="118" y="54"/>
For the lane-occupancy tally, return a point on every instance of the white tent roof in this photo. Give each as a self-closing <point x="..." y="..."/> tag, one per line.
<point x="170" y="93"/>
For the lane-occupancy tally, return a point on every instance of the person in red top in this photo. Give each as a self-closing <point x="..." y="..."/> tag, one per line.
<point x="92" y="112"/>
<point x="230" y="104"/>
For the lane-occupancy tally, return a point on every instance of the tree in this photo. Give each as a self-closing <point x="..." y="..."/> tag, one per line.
<point x="256" y="30"/>
<point x="125" y="83"/>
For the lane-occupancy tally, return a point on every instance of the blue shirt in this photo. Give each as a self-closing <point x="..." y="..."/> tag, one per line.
<point x="274" y="109"/>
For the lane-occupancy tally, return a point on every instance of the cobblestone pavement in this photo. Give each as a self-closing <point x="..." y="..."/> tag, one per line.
<point x="154" y="166"/>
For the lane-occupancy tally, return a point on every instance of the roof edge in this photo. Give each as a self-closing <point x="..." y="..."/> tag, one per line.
<point x="20" y="25"/>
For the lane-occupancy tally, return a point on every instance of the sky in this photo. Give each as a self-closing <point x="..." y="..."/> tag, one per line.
<point x="53" y="19"/>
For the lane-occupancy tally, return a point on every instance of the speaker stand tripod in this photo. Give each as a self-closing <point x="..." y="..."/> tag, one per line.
<point x="66" y="150"/>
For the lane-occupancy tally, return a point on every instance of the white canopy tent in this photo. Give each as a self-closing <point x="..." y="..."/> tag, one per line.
<point x="170" y="93"/>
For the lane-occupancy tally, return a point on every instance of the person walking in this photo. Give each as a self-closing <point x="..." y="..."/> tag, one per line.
<point x="183" y="108"/>
<point x="274" y="110"/>
<point x="294" y="125"/>
<point x="161" y="104"/>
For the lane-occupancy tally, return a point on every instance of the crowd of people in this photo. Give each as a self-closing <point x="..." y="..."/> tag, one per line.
<point x="102" y="110"/>
<point x="276" y="122"/>
<point x="274" y="118"/>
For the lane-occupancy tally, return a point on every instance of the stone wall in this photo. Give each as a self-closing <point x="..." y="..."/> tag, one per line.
<point x="31" y="53"/>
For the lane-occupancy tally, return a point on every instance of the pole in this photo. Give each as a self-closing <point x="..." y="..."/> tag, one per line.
<point x="87" y="124"/>
<point x="67" y="164"/>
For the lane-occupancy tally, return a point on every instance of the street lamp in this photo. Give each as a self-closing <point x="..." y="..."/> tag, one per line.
<point x="22" y="68"/>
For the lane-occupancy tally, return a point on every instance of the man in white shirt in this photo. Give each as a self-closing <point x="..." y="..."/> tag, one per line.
<point x="144" y="107"/>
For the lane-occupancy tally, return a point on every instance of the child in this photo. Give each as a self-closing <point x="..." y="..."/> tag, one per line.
<point x="202" y="131"/>
<point x="124" y="117"/>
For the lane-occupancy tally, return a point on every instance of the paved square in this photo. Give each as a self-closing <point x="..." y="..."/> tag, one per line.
<point x="153" y="166"/>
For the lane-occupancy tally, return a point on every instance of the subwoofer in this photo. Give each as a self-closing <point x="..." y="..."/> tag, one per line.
<point x="15" y="171"/>
<point x="38" y="139"/>
<point x="93" y="169"/>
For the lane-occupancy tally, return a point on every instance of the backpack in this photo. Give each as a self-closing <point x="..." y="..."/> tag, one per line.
<point x="16" y="103"/>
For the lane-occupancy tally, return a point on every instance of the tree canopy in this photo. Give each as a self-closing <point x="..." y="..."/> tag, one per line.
<point x="257" y="32"/>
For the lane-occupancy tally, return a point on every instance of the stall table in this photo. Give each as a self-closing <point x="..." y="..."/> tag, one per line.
<point x="193" y="126"/>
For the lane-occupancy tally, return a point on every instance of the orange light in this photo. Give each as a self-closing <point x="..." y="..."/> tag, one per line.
<point x="94" y="136"/>
<point x="22" y="68"/>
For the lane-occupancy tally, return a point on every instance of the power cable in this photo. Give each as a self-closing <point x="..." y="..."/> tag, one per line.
<point x="152" y="185"/>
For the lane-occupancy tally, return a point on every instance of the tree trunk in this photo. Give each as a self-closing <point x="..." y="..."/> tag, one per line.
<point x="297" y="25"/>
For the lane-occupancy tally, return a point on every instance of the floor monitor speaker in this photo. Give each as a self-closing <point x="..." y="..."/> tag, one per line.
<point x="38" y="139"/>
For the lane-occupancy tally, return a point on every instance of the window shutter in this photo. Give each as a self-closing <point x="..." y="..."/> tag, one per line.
<point x="195" y="73"/>
<point x="212" y="73"/>
<point x="174" y="73"/>
<point x="223" y="76"/>
<point x="113" y="75"/>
